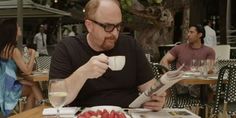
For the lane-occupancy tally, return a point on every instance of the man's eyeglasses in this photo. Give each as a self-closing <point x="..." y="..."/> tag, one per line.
<point x="108" y="27"/>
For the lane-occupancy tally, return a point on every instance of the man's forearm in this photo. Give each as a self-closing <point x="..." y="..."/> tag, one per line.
<point x="165" y="63"/>
<point x="146" y="85"/>
<point x="74" y="84"/>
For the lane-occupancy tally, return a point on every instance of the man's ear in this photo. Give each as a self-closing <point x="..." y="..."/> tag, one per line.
<point x="200" y="35"/>
<point x="88" y="25"/>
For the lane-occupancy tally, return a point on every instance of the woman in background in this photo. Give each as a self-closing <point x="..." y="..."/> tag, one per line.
<point x="11" y="59"/>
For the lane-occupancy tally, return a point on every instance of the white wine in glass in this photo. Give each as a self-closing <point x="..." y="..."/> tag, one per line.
<point x="57" y="93"/>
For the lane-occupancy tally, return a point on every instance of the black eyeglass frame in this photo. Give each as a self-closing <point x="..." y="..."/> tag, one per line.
<point x="107" y="26"/>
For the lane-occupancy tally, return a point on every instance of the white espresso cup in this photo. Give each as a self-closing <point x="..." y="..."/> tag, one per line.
<point x="116" y="63"/>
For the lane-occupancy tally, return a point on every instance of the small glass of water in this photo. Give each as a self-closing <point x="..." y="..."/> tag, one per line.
<point x="204" y="67"/>
<point x="194" y="65"/>
<point x="57" y="93"/>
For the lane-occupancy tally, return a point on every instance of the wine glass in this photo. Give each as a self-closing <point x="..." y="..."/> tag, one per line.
<point x="194" y="65"/>
<point x="57" y="93"/>
<point x="204" y="67"/>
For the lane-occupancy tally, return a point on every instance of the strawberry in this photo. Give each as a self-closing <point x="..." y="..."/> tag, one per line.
<point x="116" y="115"/>
<point x="122" y="115"/>
<point x="92" y="113"/>
<point x="99" y="112"/>
<point x="112" y="114"/>
<point x="105" y="114"/>
<point x="86" y="114"/>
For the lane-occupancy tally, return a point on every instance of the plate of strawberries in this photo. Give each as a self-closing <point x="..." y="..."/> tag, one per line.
<point x="103" y="112"/>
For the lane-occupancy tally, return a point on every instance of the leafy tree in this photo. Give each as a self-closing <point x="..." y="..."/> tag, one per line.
<point x="153" y="20"/>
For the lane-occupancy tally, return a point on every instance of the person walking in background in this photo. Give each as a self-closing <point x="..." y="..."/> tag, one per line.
<point x="73" y="31"/>
<point x="40" y="40"/>
<point x="210" y="38"/>
<point x="10" y="59"/>
<point x="82" y="62"/>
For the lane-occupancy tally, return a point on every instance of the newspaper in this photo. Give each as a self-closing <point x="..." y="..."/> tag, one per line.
<point x="164" y="113"/>
<point x="162" y="84"/>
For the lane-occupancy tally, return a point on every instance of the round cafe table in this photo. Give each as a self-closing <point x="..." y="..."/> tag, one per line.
<point x="32" y="113"/>
<point x="197" y="80"/>
<point x="203" y="82"/>
<point x="39" y="77"/>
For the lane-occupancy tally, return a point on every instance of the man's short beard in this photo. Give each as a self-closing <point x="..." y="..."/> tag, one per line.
<point x="105" y="47"/>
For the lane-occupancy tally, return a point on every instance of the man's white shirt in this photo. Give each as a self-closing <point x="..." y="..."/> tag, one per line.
<point x="42" y="49"/>
<point x="210" y="38"/>
<point x="71" y="33"/>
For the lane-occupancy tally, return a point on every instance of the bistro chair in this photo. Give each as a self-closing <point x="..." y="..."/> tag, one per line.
<point x="20" y="105"/>
<point x="225" y="100"/>
<point x="222" y="51"/>
<point x="158" y="71"/>
<point x="173" y="100"/>
<point x="182" y="101"/>
<point x="43" y="63"/>
<point x="224" y="62"/>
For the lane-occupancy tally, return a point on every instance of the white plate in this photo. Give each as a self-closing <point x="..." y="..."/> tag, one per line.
<point x="108" y="108"/>
<point x="189" y="73"/>
<point x="39" y="72"/>
<point x="138" y="110"/>
<point x="213" y="77"/>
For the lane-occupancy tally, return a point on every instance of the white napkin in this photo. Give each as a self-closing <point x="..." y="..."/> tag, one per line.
<point x="63" y="111"/>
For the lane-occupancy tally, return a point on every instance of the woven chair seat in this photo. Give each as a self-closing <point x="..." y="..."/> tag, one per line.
<point x="182" y="101"/>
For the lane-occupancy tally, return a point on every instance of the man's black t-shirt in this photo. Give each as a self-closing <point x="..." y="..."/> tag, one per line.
<point x="113" y="87"/>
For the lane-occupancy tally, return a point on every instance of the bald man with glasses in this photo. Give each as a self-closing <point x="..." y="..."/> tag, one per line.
<point x="82" y="62"/>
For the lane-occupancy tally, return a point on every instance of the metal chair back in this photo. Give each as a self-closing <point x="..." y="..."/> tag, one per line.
<point x="222" y="51"/>
<point x="225" y="91"/>
<point x="158" y="69"/>
<point x="43" y="62"/>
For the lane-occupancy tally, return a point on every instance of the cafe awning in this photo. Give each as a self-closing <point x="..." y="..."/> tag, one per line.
<point x="8" y="9"/>
<point x="27" y="8"/>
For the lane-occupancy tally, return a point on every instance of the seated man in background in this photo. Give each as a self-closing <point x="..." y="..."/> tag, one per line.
<point x="82" y="62"/>
<point x="185" y="53"/>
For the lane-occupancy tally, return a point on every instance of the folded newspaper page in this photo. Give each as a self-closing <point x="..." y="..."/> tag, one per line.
<point x="162" y="84"/>
<point x="164" y="113"/>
